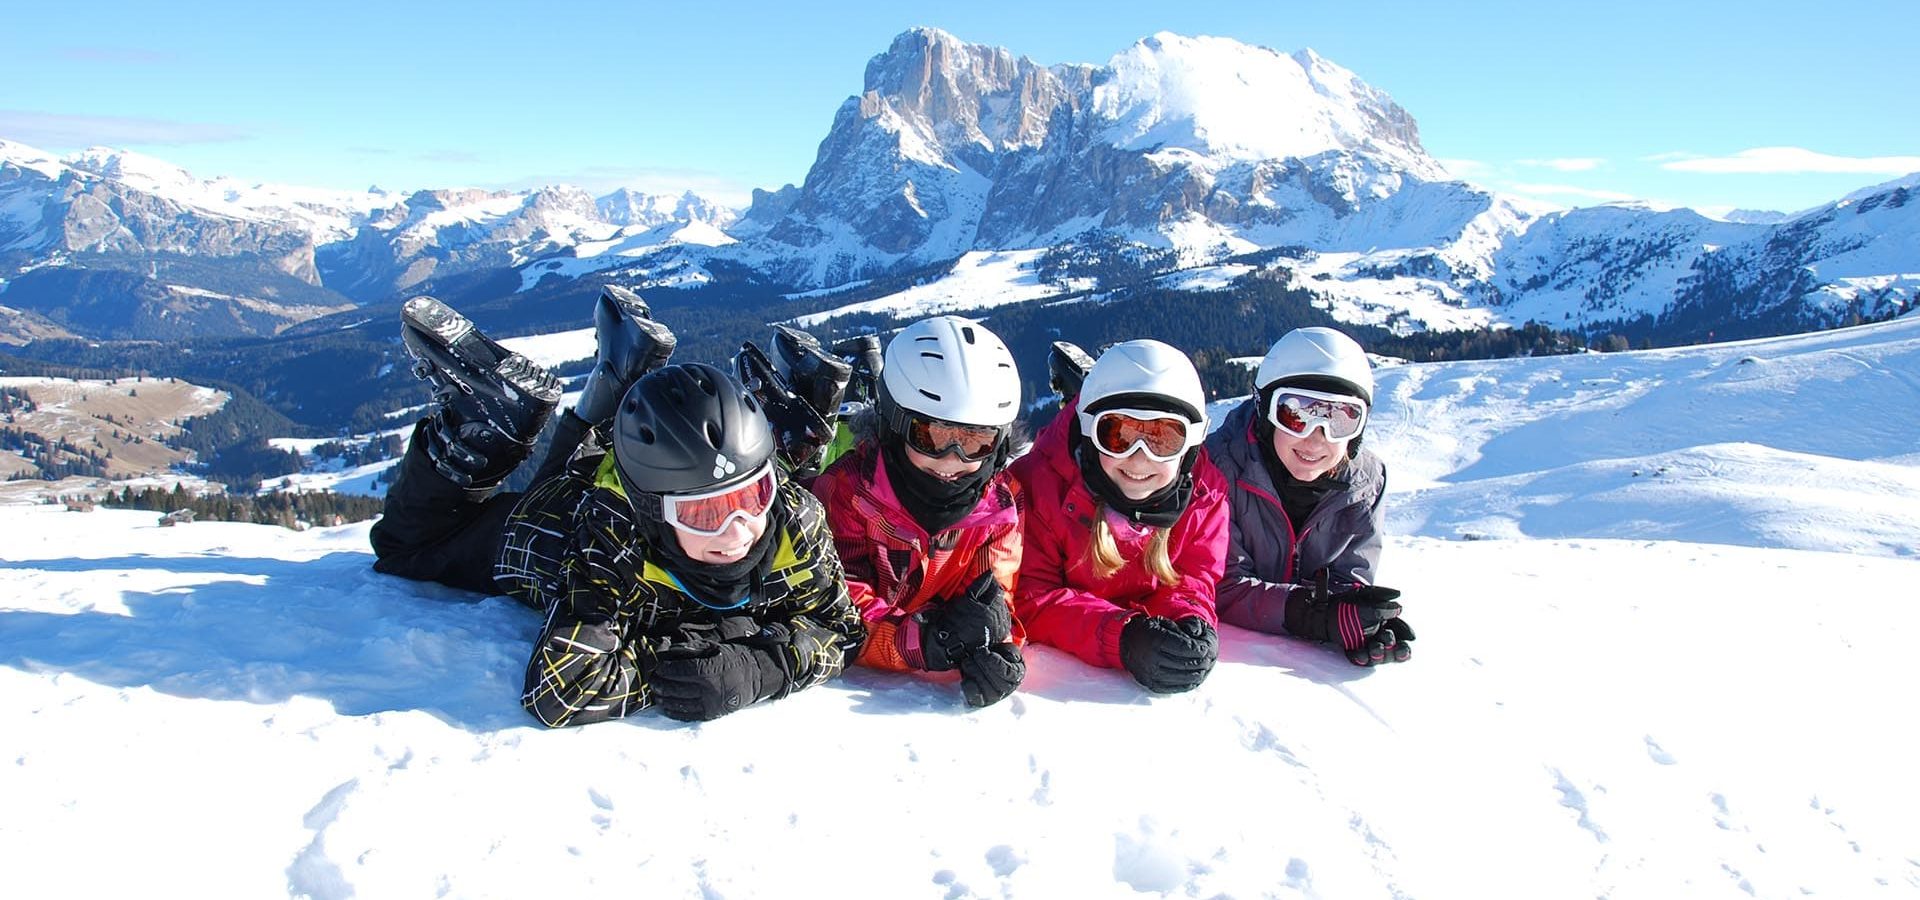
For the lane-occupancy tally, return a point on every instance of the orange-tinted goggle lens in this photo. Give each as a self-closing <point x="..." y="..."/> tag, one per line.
<point x="934" y="437"/>
<point x="1116" y="433"/>
<point x="709" y="514"/>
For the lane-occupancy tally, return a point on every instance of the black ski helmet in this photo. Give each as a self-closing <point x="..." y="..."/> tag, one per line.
<point x="688" y="428"/>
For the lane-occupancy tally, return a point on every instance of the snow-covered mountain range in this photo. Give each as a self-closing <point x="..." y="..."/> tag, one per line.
<point x="1200" y="147"/>
<point x="291" y="252"/>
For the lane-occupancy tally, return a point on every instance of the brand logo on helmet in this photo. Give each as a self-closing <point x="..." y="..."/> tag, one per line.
<point x="722" y="466"/>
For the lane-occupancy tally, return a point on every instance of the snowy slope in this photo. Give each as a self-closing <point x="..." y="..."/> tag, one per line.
<point x="1595" y="709"/>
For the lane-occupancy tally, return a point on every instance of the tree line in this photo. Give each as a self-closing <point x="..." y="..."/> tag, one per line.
<point x="283" y="509"/>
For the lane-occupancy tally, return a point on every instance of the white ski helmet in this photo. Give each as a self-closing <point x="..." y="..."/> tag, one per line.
<point x="954" y="369"/>
<point x="1144" y="370"/>
<point x="1317" y="352"/>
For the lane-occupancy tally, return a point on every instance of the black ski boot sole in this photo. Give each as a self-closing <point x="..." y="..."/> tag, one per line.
<point x="475" y="379"/>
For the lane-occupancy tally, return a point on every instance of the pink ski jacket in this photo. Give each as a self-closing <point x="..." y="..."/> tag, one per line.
<point x="894" y="568"/>
<point x="1061" y="601"/>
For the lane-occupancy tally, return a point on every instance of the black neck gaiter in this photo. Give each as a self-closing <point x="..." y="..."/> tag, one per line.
<point x="935" y="504"/>
<point x="719" y="586"/>
<point x="1161" y="508"/>
<point x="1298" y="498"/>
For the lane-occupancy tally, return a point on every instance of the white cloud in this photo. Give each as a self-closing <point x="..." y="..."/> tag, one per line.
<point x="1577" y="164"/>
<point x="60" y="131"/>
<point x="1794" y="160"/>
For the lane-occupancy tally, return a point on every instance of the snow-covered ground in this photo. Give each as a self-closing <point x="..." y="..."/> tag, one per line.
<point x="980" y="280"/>
<point x="1678" y="683"/>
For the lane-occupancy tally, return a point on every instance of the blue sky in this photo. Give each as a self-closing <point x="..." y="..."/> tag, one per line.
<point x="1675" y="102"/>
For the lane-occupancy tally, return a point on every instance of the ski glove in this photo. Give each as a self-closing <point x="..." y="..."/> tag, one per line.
<point x="1166" y="656"/>
<point x="1364" y="621"/>
<point x="707" y="687"/>
<point x="948" y="630"/>
<point x="989" y="674"/>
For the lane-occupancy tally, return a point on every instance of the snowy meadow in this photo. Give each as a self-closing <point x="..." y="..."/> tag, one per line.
<point x="1663" y="601"/>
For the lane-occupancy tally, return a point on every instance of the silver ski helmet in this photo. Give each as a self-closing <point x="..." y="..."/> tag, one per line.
<point x="1145" y="373"/>
<point x="952" y="369"/>
<point x="1319" y="355"/>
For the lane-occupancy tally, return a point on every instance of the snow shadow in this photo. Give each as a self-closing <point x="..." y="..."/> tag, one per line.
<point x="1318" y="663"/>
<point x="264" y="630"/>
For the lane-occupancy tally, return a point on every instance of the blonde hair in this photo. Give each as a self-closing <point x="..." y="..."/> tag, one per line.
<point x="1103" y="552"/>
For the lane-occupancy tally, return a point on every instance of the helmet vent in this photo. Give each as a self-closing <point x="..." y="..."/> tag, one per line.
<point x="713" y="434"/>
<point x="930" y="395"/>
<point x="967" y="334"/>
<point x="929" y="354"/>
<point x="646" y="435"/>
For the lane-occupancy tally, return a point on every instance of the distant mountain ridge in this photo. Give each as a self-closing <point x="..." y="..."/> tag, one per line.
<point x="125" y="237"/>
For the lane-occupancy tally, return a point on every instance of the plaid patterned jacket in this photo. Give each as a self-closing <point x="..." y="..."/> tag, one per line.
<point x="571" y="548"/>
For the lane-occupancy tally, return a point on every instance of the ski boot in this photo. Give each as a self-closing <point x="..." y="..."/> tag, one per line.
<point x="819" y="377"/>
<point x="863" y="353"/>
<point x="491" y="401"/>
<point x="630" y="344"/>
<point x="800" y="432"/>
<point x="1067" y="367"/>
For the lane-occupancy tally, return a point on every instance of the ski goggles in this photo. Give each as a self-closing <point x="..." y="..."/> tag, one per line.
<point x="1161" y="435"/>
<point x="937" y="437"/>
<point x="1298" y="412"/>
<point x="710" y="513"/>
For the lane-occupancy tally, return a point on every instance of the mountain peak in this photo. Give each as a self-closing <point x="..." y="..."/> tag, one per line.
<point x="18" y="154"/>
<point x="1219" y="97"/>
<point x="137" y="170"/>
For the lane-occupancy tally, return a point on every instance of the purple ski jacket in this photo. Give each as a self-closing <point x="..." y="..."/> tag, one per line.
<point x="1267" y="555"/>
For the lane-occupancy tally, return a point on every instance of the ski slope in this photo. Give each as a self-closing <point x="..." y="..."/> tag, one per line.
<point x="1677" y="683"/>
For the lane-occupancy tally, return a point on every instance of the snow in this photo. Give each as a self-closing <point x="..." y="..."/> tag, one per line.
<point x="1205" y="278"/>
<point x="979" y="280"/>
<point x="1221" y="98"/>
<point x="1670" y="684"/>
<point x="553" y="349"/>
<point x="625" y="247"/>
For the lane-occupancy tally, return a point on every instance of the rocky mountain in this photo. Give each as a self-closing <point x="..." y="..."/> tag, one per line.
<point x="108" y="243"/>
<point x="1203" y="144"/>
<point x="1207" y="148"/>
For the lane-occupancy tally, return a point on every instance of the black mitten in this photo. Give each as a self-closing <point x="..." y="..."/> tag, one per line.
<point x="1166" y="656"/>
<point x="989" y="674"/>
<point x="1353" y="619"/>
<point x="978" y="617"/>
<point x="708" y="687"/>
